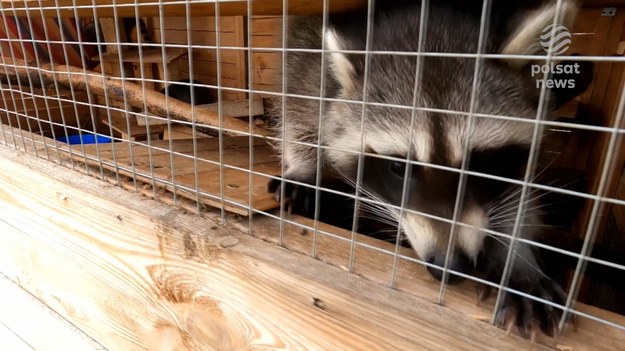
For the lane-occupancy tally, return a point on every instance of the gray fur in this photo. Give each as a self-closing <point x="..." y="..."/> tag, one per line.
<point x="504" y="90"/>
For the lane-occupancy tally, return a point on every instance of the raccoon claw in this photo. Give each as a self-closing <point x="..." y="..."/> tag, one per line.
<point x="483" y="292"/>
<point x="531" y="316"/>
<point x="292" y="192"/>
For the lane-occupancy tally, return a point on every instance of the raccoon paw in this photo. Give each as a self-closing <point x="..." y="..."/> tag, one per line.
<point x="531" y="316"/>
<point x="295" y="195"/>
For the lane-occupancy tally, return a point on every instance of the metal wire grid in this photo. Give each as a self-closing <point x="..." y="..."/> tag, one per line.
<point x="9" y="91"/>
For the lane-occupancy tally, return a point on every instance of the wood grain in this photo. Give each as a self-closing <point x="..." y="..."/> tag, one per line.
<point x="416" y="289"/>
<point x="150" y="55"/>
<point x="141" y="159"/>
<point x="204" y="60"/>
<point x="240" y="108"/>
<point x="180" y="131"/>
<point x="35" y="325"/>
<point x="150" y="8"/>
<point x="137" y="275"/>
<point x="119" y="90"/>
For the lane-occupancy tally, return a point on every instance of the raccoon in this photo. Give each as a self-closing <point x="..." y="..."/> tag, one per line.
<point x="435" y="139"/>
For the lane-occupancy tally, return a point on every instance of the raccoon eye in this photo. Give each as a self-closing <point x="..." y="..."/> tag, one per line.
<point x="398" y="168"/>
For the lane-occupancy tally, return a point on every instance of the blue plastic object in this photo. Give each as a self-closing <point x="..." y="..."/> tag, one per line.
<point x="87" y="138"/>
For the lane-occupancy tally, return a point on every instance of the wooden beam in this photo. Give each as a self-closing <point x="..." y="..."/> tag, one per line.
<point x="69" y="76"/>
<point x="239" y="108"/>
<point x="134" y="274"/>
<point x="175" y="8"/>
<point x="172" y="8"/>
<point x="20" y="309"/>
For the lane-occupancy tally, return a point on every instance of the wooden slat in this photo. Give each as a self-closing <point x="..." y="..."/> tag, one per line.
<point x="180" y="131"/>
<point x="237" y="108"/>
<point x="150" y="55"/>
<point x="120" y="125"/>
<point x="173" y="8"/>
<point x="34" y="326"/>
<point x="134" y="159"/>
<point x="139" y="275"/>
<point x="228" y="70"/>
<point x="233" y="64"/>
<point x="178" y="283"/>
<point x="266" y="25"/>
<point x="198" y="24"/>
<point x="605" y="98"/>
<point x="265" y="60"/>
<point x="226" y="55"/>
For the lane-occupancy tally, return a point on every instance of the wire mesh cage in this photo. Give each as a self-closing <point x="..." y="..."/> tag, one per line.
<point x="424" y="145"/>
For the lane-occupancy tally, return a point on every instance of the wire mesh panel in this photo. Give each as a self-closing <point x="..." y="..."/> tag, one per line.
<point x="425" y="145"/>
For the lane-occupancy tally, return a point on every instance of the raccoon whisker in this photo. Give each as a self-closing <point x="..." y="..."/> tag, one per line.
<point x="502" y="242"/>
<point x="364" y="190"/>
<point x="382" y="213"/>
<point x="512" y="206"/>
<point x="384" y="231"/>
<point x="380" y="219"/>
<point x="528" y="225"/>
<point x="496" y="204"/>
<point x="511" y="192"/>
<point x="511" y="213"/>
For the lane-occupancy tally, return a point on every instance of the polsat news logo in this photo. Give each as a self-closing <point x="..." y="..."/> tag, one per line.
<point x="557" y="37"/>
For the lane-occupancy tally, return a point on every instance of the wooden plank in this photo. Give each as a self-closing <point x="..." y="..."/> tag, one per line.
<point x="180" y="131"/>
<point x="605" y="98"/>
<point x="266" y="76"/>
<point x="35" y="324"/>
<point x="266" y="25"/>
<point x="228" y="70"/>
<point x="183" y="282"/>
<point x="150" y="55"/>
<point x="237" y="108"/>
<point x="109" y="31"/>
<point x="210" y="55"/>
<point x="134" y="160"/>
<point x="44" y="115"/>
<point x="241" y="58"/>
<point x="265" y="60"/>
<point x="266" y="41"/>
<point x="173" y="8"/>
<point x="12" y="341"/>
<point x="602" y="3"/>
<point x="136" y="131"/>
<point x="180" y="287"/>
<point x="619" y="211"/>
<point x="198" y="24"/>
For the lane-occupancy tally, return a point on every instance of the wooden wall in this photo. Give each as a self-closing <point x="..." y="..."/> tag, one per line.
<point x="232" y="34"/>
<point x="266" y="33"/>
<point x="51" y="112"/>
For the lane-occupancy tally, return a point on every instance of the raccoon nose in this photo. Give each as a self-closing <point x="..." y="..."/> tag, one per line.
<point x="459" y="263"/>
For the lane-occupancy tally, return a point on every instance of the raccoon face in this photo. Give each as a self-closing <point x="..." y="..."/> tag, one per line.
<point x="430" y="199"/>
<point x="438" y="140"/>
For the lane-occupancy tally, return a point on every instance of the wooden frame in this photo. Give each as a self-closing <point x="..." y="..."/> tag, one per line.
<point x="138" y="274"/>
<point x="150" y="8"/>
<point x="133" y="273"/>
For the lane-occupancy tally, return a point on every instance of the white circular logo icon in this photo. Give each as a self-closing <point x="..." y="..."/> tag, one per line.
<point x="560" y="41"/>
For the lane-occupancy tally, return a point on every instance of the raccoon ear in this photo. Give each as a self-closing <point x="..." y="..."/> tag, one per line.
<point x="533" y="33"/>
<point x="340" y="66"/>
